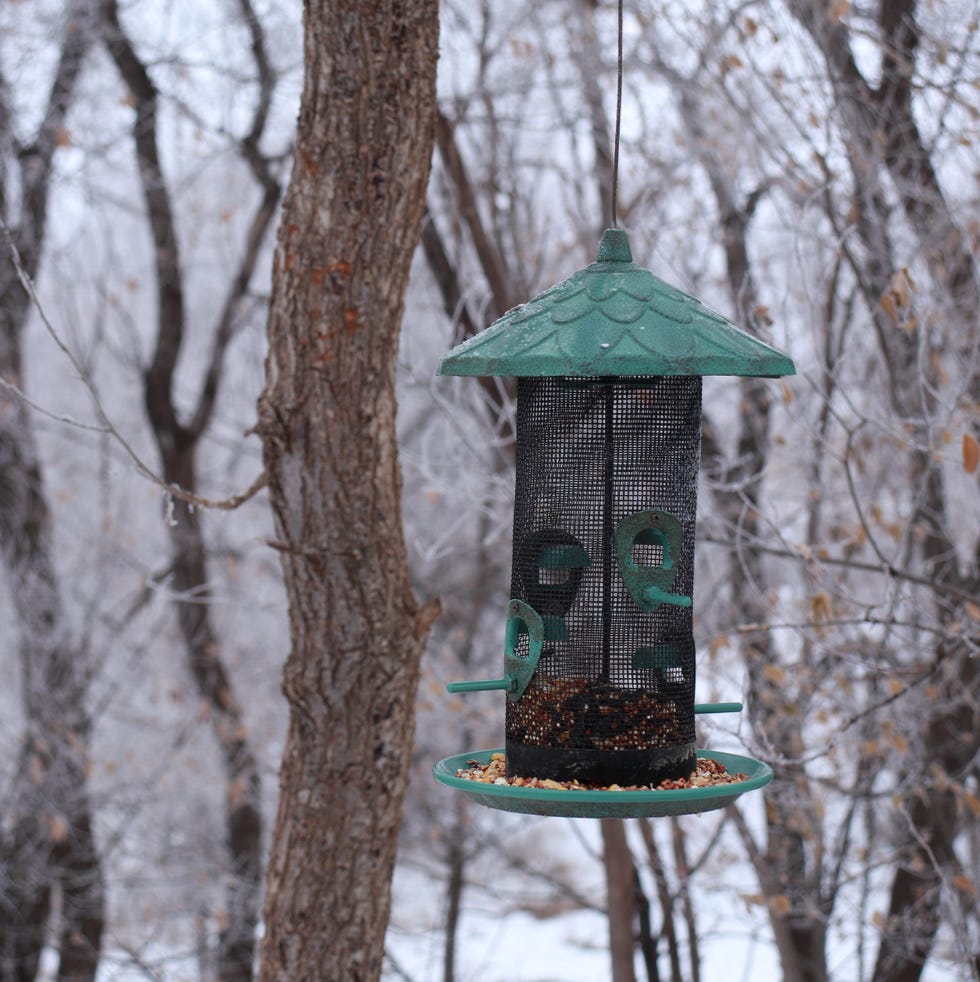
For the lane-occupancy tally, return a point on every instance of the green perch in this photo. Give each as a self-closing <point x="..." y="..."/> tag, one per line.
<point x="509" y="683"/>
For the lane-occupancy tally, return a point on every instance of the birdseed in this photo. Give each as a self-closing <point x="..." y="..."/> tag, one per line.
<point x="707" y="773"/>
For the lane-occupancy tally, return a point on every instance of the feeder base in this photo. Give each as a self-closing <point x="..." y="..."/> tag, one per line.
<point x="605" y="804"/>
<point x="623" y="767"/>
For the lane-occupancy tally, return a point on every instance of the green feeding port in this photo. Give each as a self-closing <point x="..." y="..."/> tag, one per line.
<point x="614" y="318"/>
<point x="647" y="545"/>
<point x="562" y="556"/>
<point x="661" y="658"/>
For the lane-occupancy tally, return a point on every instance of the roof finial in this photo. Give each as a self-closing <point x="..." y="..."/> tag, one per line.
<point x="615" y="247"/>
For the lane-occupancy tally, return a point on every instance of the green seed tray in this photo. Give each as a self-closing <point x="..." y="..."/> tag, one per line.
<point x="605" y="804"/>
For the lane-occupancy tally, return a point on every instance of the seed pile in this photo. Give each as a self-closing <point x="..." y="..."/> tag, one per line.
<point x="581" y="713"/>
<point x="707" y="773"/>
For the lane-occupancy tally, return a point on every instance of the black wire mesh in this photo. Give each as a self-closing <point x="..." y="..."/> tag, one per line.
<point x="604" y="516"/>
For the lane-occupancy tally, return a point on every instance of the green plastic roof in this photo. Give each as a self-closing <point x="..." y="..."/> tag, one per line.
<point x="614" y="318"/>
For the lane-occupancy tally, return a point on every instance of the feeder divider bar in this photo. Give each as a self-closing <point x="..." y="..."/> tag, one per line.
<point x="607" y="530"/>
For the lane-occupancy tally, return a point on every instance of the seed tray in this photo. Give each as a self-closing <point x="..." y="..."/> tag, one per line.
<point x="574" y="803"/>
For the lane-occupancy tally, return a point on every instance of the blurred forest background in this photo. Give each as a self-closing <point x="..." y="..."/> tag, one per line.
<point x="809" y="169"/>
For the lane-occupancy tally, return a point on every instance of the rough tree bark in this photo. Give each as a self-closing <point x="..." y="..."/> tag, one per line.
<point x="48" y="850"/>
<point x="351" y="219"/>
<point x="178" y="442"/>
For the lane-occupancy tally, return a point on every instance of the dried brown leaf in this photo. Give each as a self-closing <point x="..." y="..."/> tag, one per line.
<point x="775" y="674"/>
<point x="820" y="606"/>
<point x="971" y="453"/>
<point x="58" y="827"/>
<point x="965" y="885"/>
<point x="889" y="306"/>
<point x="780" y="905"/>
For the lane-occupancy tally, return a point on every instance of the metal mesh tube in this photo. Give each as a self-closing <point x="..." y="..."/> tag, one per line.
<point x="604" y="516"/>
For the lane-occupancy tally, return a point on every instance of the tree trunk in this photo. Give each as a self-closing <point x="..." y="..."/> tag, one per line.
<point x="620" y="898"/>
<point x="667" y="903"/>
<point x="883" y="139"/>
<point x="455" y="883"/>
<point x="351" y="220"/>
<point x="47" y="845"/>
<point x="178" y="443"/>
<point x="789" y="869"/>
<point x="243" y="788"/>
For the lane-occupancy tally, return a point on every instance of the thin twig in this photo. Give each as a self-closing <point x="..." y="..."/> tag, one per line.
<point x="18" y="393"/>
<point x="107" y="426"/>
<point x="887" y="569"/>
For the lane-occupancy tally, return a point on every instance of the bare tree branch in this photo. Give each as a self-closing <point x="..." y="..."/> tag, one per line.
<point x="105" y="423"/>
<point x="491" y="261"/>
<point x="259" y="225"/>
<point x="177" y="444"/>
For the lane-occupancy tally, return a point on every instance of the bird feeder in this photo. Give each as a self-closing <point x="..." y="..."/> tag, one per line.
<point x="599" y="655"/>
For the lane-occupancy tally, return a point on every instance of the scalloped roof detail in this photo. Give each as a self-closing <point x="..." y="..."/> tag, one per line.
<point x="614" y="318"/>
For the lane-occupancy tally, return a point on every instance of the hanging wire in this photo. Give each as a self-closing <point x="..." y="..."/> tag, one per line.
<point x="619" y="116"/>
